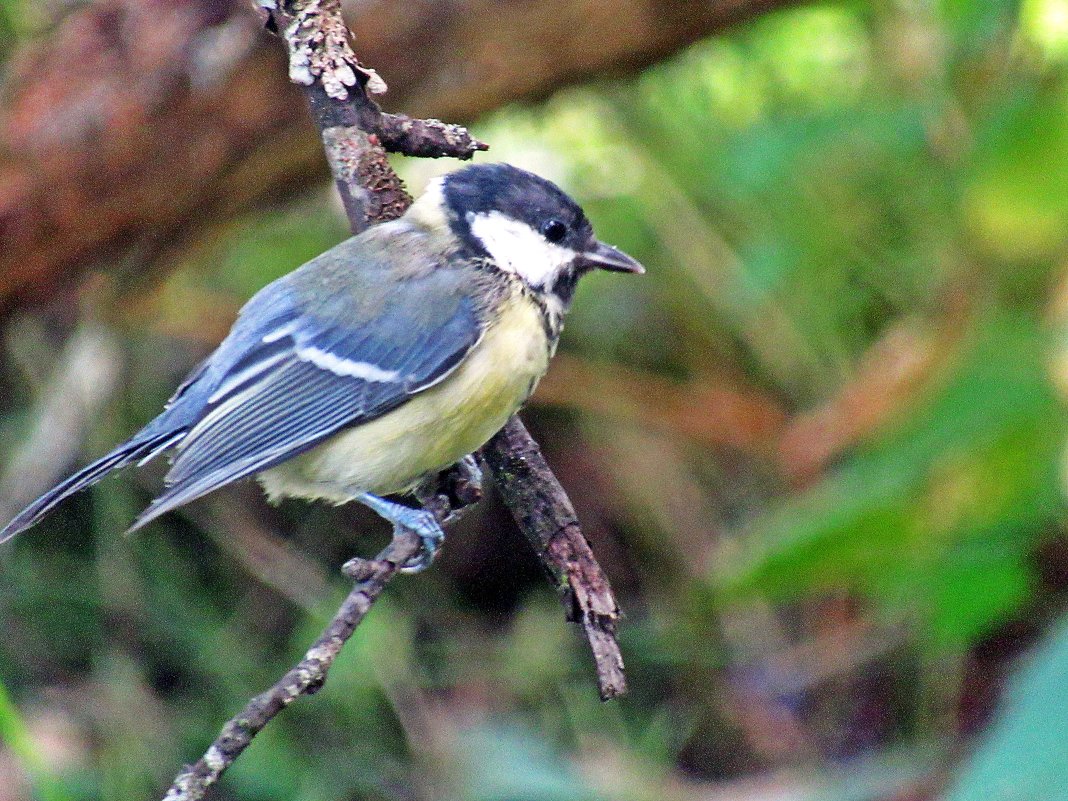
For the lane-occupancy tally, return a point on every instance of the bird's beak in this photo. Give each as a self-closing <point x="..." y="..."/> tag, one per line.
<point x="607" y="257"/>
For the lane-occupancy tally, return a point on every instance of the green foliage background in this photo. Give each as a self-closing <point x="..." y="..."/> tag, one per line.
<point x="854" y="215"/>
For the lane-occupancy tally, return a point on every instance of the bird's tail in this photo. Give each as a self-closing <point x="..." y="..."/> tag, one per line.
<point x="142" y="447"/>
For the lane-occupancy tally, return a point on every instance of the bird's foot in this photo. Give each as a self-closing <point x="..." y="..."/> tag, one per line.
<point x="432" y="535"/>
<point x="420" y="521"/>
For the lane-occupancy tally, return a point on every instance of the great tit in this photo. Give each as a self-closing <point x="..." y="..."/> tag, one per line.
<point x="385" y="359"/>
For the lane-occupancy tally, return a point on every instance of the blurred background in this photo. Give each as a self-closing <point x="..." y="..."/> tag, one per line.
<point x="819" y="448"/>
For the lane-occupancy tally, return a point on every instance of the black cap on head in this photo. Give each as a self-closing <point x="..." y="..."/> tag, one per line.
<point x="518" y="194"/>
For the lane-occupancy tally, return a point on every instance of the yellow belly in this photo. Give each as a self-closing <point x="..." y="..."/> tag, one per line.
<point x="435" y="428"/>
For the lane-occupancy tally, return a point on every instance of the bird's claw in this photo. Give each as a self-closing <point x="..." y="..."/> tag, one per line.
<point x="425" y="525"/>
<point x="404" y="518"/>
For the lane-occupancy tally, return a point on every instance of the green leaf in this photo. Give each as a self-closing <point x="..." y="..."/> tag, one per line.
<point x="935" y="518"/>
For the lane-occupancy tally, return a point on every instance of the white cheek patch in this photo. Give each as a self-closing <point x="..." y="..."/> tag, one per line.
<point x="518" y="248"/>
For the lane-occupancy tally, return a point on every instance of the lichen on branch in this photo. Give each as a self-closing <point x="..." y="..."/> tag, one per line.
<point x="319" y="49"/>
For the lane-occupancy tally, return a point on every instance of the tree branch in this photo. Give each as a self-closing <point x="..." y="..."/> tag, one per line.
<point x="355" y="135"/>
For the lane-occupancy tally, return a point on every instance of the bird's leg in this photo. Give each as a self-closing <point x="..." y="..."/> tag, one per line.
<point x="420" y="521"/>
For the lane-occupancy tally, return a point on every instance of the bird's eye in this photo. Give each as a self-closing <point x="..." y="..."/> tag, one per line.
<point x="553" y="230"/>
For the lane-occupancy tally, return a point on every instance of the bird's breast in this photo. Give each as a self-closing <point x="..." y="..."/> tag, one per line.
<point x="436" y="427"/>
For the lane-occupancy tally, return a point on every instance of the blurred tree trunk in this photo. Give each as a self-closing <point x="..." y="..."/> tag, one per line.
<point x="135" y="123"/>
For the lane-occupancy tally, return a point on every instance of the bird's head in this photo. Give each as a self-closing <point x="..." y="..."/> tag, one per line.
<point x="528" y="226"/>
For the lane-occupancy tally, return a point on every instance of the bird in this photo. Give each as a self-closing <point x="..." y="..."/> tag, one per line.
<point x="382" y="361"/>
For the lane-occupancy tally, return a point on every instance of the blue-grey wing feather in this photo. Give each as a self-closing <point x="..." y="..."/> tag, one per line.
<point x="252" y="419"/>
<point x="379" y="299"/>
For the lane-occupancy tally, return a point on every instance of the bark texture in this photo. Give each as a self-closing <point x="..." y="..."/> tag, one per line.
<point x="546" y="517"/>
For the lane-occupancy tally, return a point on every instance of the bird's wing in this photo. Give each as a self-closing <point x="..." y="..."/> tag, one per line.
<point x="311" y="370"/>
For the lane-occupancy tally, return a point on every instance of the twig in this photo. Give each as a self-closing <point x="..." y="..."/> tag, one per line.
<point x="356" y="135"/>
<point x="545" y="514"/>
<point x="426" y="138"/>
<point x="306" y="678"/>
